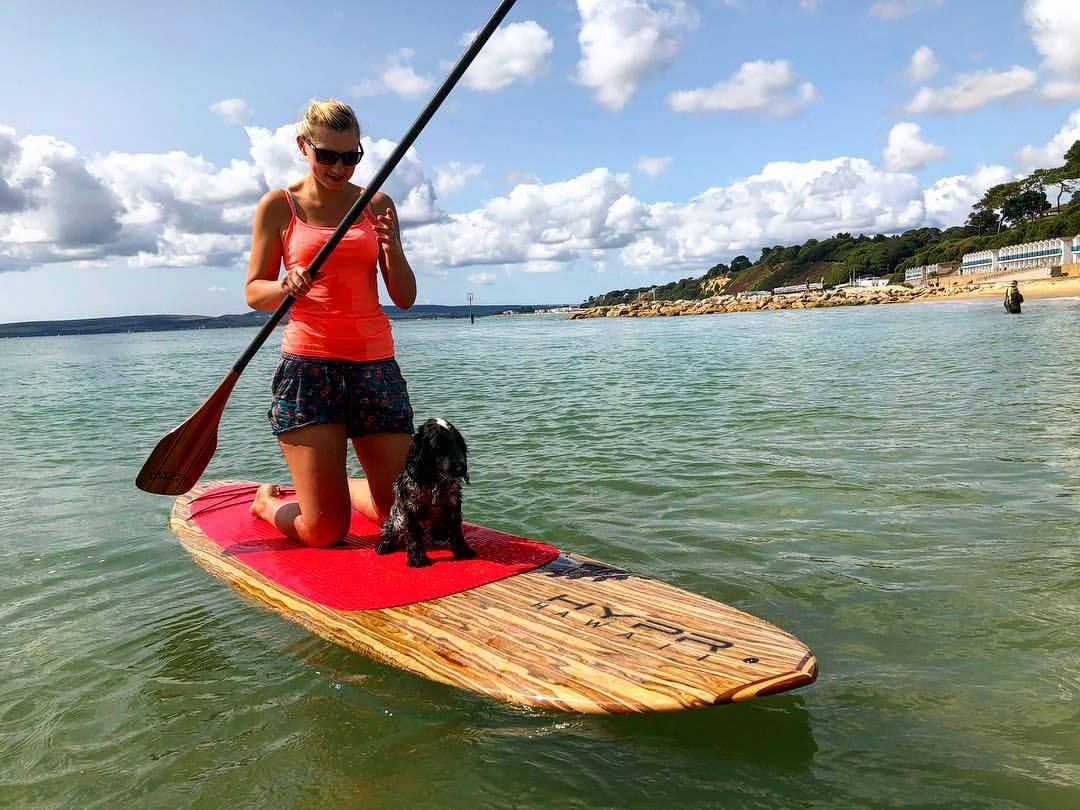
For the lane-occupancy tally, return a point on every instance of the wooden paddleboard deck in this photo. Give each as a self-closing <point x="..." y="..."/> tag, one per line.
<point x="574" y="634"/>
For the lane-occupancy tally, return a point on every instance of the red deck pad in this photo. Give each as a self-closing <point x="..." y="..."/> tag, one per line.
<point x="352" y="576"/>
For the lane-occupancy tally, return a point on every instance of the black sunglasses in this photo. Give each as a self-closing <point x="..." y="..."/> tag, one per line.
<point x="329" y="157"/>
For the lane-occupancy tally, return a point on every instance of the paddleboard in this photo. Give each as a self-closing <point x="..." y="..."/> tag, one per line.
<point x="524" y="622"/>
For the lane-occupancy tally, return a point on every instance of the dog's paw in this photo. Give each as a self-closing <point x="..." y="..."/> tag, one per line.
<point x="419" y="561"/>
<point x="464" y="553"/>
<point x="385" y="547"/>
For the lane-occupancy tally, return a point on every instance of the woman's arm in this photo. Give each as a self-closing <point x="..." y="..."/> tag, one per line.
<point x="396" y="271"/>
<point x="263" y="289"/>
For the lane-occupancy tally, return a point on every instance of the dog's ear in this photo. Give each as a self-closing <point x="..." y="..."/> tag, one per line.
<point x="420" y="461"/>
<point x="459" y="440"/>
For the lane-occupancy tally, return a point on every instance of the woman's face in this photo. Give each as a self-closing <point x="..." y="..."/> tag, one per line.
<point x="336" y="175"/>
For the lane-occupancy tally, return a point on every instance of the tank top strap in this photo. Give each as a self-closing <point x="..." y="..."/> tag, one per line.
<point x="292" y="205"/>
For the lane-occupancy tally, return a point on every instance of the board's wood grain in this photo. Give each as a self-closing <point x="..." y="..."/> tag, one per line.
<point x="575" y="635"/>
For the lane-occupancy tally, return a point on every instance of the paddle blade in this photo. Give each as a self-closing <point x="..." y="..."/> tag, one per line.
<point x="180" y="458"/>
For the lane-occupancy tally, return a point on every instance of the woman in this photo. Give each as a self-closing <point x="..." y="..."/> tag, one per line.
<point x="337" y="379"/>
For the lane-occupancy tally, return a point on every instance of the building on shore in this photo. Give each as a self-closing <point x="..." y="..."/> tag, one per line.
<point x="927" y="274"/>
<point x="980" y="261"/>
<point x="1046" y="257"/>
<point x="798" y="288"/>
<point x="1047" y="254"/>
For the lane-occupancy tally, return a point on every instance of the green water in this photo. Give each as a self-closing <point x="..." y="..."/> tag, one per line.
<point x="897" y="486"/>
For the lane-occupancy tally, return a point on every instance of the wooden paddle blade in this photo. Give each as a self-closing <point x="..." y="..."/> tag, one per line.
<point x="180" y="458"/>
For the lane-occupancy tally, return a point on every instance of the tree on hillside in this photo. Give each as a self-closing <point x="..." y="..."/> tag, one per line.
<point x="1065" y="177"/>
<point x="993" y="201"/>
<point x="1026" y="205"/>
<point x="1057" y="177"/>
<point x="740" y="263"/>
<point x="983" y="221"/>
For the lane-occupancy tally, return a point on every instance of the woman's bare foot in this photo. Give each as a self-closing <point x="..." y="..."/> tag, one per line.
<point x="264" y="504"/>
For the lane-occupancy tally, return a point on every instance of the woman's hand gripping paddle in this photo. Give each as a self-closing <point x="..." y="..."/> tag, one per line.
<point x="180" y="458"/>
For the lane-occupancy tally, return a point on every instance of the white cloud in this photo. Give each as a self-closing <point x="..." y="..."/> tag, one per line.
<point x="895" y="9"/>
<point x="923" y="64"/>
<point x="454" y="176"/>
<point x="1055" y="30"/>
<point x="653" y="166"/>
<point x="783" y="204"/>
<point x="535" y="223"/>
<point x="515" y="51"/>
<point x="594" y="217"/>
<point x="167" y="209"/>
<point x="177" y="248"/>
<point x="624" y="42"/>
<point x="410" y="188"/>
<point x="949" y="200"/>
<point x="907" y="150"/>
<point x="1053" y="153"/>
<point x="770" y="88"/>
<point x="972" y="90"/>
<point x="181" y="209"/>
<point x="485" y="279"/>
<point x="787" y="203"/>
<point x="397" y="77"/>
<point x="276" y="154"/>
<point x="233" y="110"/>
<point x="368" y="87"/>
<point x="519" y="178"/>
<point x="51" y="207"/>
<point x="1060" y="90"/>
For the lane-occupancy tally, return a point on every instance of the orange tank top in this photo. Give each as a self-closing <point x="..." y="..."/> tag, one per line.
<point x="340" y="317"/>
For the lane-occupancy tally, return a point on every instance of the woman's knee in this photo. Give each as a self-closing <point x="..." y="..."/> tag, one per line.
<point x="323" y="532"/>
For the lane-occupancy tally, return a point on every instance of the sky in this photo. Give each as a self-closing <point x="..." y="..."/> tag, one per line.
<point x="594" y="145"/>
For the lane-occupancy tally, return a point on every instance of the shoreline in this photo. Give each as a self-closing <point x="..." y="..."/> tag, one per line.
<point x="1057" y="287"/>
<point x="115" y="324"/>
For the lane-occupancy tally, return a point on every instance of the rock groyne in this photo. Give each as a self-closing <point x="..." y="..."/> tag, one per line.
<point x="717" y="304"/>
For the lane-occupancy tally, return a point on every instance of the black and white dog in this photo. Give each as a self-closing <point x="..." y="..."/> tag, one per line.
<point x="427" y="495"/>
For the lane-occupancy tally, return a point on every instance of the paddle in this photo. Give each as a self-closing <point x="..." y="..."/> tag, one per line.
<point x="180" y="458"/>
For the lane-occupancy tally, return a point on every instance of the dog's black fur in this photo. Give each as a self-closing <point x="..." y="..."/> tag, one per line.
<point x="427" y="495"/>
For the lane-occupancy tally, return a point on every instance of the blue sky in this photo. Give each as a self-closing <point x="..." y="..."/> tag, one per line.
<point x="599" y="144"/>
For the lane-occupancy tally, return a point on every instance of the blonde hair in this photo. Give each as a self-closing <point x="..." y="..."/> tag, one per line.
<point x="329" y="113"/>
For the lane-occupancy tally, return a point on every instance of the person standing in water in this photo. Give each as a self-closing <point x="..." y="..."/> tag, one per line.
<point x="337" y="381"/>
<point x="1013" y="299"/>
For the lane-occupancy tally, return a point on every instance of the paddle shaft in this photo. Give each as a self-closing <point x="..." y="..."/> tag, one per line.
<point x="380" y="177"/>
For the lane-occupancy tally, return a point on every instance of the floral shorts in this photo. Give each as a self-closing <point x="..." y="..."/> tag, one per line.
<point x="368" y="397"/>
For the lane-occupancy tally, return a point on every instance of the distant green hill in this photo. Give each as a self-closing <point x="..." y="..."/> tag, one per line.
<point x="166" y="323"/>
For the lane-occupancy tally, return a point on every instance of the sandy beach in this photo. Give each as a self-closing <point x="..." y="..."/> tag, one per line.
<point x="1064" y="286"/>
<point x="1059" y="287"/>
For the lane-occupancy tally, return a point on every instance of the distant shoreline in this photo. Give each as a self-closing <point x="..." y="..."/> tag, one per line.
<point x="172" y="323"/>
<point x="1062" y="286"/>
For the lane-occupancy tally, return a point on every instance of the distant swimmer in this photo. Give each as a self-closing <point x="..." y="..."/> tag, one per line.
<point x="1013" y="299"/>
